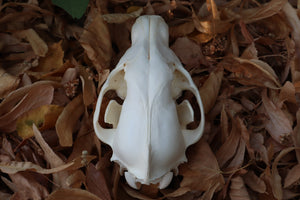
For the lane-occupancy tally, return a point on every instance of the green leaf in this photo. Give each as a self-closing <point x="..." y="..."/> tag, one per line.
<point x="75" y="8"/>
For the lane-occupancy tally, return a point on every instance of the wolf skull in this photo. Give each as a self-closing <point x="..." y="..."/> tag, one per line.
<point x="149" y="135"/>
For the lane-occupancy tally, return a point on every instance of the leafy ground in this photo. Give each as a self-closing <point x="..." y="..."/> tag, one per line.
<point x="244" y="55"/>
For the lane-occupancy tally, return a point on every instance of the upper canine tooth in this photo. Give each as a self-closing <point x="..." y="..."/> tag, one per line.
<point x="166" y="180"/>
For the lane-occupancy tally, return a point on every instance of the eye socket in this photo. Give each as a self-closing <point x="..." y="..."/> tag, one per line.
<point x="108" y="96"/>
<point x="190" y="97"/>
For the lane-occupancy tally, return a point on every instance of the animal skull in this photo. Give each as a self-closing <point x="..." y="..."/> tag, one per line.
<point x="149" y="135"/>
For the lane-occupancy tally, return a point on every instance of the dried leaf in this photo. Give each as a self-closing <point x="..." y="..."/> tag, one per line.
<point x="266" y="10"/>
<point x="89" y="89"/>
<point x="7" y="83"/>
<point x="188" y="52"/>
<point x="211" y="27"/>
<point x="292" y="176"/>
<point x="13" y="167"/>
<point x="275" y="177"/>
<point x="38" y="45"/>
<point x="96" y="183"/>
<point x="257" y="143"/>
<point x="229" y="148"/>
<point x="44" y="117"/>
<point x="27" y="187"/>
<point x="67" y="120"/>
<point x="120" y="17"/>
<point x="294" y="22"/>
<point x="254" y="182"/>
<point x="210" y="89"/>
<point x="296" y="136"/>
<point x="287" y="93"/>
<point x="202" y="171"/>
<point x="53" y="60"/>
<point x="95" y="40"/>
<point x="36" y="97"/>
<point x="238" y="190"/>
<point x="251" y="72"/>
<point x="74" y="194"/>
<point x="278" y="125"/>
<point x="181" y="29"/>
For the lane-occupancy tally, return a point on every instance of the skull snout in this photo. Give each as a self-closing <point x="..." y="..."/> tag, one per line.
<point x="135" y="183"/>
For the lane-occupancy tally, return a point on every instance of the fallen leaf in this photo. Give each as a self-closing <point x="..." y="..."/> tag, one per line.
<point x="229" y="148"/>
<point x="44" y="117"/>
<point x="251" y="72"/>
<point x="238" y="190"/>
<point x="294" y="22"/>
<point x="292" y="176"/>
<point x="26" y="187"/>
<point x="88" y="87"/>
<point x="5" y="196"/>
<point x="278" y="125"/>
<point x="72" y="194"/>
<point x="211" y="27"/>
<point x="36" y="97"/>
<point x="257" y="143"/>
<point x="188" y="52"/>
<point x="266" y="10"/>
<point x="254" y="182"/>
<point x="76" y="179"/>
<point x="287" y="93"/>
<point x="96" y="183"/>
<point x="67" y="120"/>
<point x="210" y="89"/>
<point x="38" y="45"/>
<point x="8" y="83"/>
<point x="95" y="40"/>
<point x="296" y="136"/>
<point x="275" y="181"/>
<point x="181" y="29"/>
<point x="202" y="172"/>
<point x="120" y="17"/>
<point x="52" y="61"/>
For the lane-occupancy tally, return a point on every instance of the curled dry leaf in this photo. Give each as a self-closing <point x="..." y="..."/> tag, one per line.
<point x="296" y="136"/>
<point x="120" y="17"/>
<point x="37" y="95"/>
<point x="38" y="45"/>
<point x="44" y="117"/>
<point x="294" y="22"/>
<point x="7" y="83"/>
<point x="277" y="124"/>
<point x="202" y="172"/>
<point x="95" y="40"/>
<point x="88" y="87"/>
<point x="229" y="148"/>
<point x="238" y="190"/>
<point x="50" y="63"/>
<point x="266" y="10"/>
<point x="211" y="27"/>
<point x="189" y="52"/>
<point x="26" y="186"/>
<point x="182" y="29"/>
<point x="251" y="72"/>
<point x="255" y="183"/>
<point x="275" y="180"/>
<point x="292" y="176"/>
<point x="96" y="183"/>
<point x="66" y="122"/>
<point x="210" y="89"/>
<point x="72" y="194"/>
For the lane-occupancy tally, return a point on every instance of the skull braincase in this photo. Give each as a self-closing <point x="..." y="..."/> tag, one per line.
<point x="149" y="135"/>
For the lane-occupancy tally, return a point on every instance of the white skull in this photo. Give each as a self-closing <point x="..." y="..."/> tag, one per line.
<point x="149" y="135"/>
